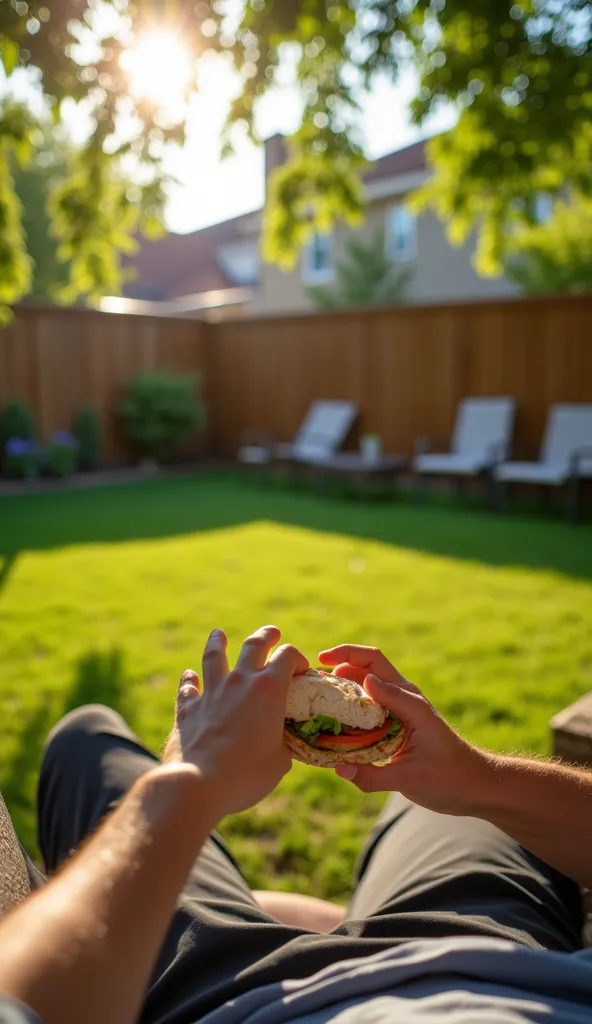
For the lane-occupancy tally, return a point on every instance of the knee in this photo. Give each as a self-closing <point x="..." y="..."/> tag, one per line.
<point x="80" y="725"/>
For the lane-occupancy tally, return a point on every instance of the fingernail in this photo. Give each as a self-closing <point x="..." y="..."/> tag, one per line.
<point x="188" y="674"/>
<point x="346" y="771"/>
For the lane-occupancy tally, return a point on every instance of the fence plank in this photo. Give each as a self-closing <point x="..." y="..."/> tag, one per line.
<point x="58" y="360"/>
<point x="406" y="367"/>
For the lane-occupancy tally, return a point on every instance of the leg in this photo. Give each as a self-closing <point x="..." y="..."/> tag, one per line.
<point x="432" y="875"/>
<point x="218" y="930"/>
<point x="18" y="875"/>
<point x="303" y="911"/>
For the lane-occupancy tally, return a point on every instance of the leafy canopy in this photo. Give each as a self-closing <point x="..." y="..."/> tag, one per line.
<point x="518" y="73"/>
<point x="366" y="277"/>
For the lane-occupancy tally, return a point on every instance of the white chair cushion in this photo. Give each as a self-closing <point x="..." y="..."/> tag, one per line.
<point x="253" y="455"/>
<point x="481" y="424"/>
<point x="553" y="474"/>
<point x="454" y="465"/>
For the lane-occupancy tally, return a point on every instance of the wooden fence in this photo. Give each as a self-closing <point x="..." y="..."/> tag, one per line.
<point x="406" y="367"/>
<point x="60" y="359"/>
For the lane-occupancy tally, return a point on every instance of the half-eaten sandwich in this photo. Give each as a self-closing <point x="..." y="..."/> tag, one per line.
<point x="331" y="721"/>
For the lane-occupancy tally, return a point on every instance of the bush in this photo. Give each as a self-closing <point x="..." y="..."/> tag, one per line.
<point x="160" y="411"/>
<point x="62" y="454"/>
<point x="21" y="458"/>
<point x="87" y="431"/>
<point x="16" y="423"/>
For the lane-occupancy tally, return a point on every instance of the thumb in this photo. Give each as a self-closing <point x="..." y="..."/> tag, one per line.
<point x="406" y="701"/>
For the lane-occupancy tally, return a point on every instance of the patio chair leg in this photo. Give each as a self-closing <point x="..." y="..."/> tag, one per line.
<point x="572" y="502"/>
<point x="544" y="498"/>
<point x="501" y="496"/>
<point x="419" y="487"/>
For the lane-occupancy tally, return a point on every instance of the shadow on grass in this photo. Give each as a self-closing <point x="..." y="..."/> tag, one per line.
<point x="99" y="679"/>
<point x="455" y="528"/>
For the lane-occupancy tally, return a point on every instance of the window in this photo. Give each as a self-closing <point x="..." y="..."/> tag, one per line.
<point x="317" y="261"/>
<point x="543" y="207"/>
<point x="401" y="234"/>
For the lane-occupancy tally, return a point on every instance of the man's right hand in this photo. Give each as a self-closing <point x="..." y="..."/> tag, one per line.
<point x="436" y="767"/>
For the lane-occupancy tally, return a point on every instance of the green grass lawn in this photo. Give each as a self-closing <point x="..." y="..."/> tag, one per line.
<point x="107" y="595"/>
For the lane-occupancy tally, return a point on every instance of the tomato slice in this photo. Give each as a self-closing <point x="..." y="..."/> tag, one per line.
<point x="327" y="741"/>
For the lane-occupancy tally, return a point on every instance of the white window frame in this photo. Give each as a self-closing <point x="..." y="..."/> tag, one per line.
<point x="394" y="254"/>
<point x="543" y="207"/>
<point x="312" y="274"/>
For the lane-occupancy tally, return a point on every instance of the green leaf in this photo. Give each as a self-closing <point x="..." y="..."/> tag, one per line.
<point x="9" y="54"/>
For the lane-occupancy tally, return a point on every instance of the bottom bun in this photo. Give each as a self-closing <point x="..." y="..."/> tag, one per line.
<point x="301" y="751"/>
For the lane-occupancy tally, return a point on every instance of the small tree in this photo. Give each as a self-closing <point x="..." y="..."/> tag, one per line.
<point x="365" y="278"/>
<point x="160" y="411"/>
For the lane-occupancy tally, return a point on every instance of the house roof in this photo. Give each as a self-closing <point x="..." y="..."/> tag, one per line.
<point x="179" y="265"/>
<point x="176" y="266"/>
<point x="403" y="161"/>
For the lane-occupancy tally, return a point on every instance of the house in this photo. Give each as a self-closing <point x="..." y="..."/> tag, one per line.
<point x="217" y="271"/>
<point x="213" y="272"/>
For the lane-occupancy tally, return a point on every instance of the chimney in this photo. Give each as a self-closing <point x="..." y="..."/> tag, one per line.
<point x="276" y="153"/>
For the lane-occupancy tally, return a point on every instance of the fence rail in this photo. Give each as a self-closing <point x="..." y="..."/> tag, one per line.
<point x="60" y="359"/>
<point x="406" y="367"/>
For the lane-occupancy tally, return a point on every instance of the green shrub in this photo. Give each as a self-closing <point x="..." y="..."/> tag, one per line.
<point x="16" y="421"/>
<point x="160" y="411"/>
<point x="87" y="431"/>
<point x="21" y="458"/>
<point x="62" y="454"/>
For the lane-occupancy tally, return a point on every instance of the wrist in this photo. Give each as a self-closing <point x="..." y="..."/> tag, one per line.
<point x="489" y="789"/>
<point x="182" y="789"/>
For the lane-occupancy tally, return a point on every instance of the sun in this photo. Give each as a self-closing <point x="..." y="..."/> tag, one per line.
<point x="159" y="69"/>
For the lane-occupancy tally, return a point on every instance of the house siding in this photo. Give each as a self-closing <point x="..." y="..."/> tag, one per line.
<point x="441" y="271"/>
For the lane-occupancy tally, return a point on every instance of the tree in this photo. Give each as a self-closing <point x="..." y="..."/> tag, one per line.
<point x="557" y="256"/>
<point x="365" y="278"/>
<point x="33" y="185"/>
<point x="517" y="72"/>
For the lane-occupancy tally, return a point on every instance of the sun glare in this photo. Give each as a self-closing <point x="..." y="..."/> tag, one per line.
<point x="160" y="69"/>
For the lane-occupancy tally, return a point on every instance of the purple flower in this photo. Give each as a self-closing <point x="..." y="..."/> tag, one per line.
<point x="64" y="438"/>
<point x="16" y="447"/>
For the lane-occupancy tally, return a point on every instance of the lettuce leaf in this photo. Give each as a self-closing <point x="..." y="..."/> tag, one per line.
<point x="310" y="729"/>
<point x="396" y="726"/>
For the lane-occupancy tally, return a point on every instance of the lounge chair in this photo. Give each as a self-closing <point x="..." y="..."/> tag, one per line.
<point x="321" y="434"/>
<point x="565" y="457"/>
<point x="481" y="438"/>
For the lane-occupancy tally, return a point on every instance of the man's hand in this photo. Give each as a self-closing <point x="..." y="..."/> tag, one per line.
<point x="436" y="767"/>
<point x="233" y="731"/>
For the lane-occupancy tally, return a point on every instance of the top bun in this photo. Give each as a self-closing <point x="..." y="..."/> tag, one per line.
<point x="314" y="693"/>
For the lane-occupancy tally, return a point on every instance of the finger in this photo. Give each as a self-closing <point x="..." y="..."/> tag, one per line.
<point x="187" y="694"/>
<point x="348" y="671"/>
<point x="370" y="659"/>
<point x="215" y="662"/>
<point x="408" y="705"/>
<point x="255" y="650"/>
<point x="371" y="779"/>
<point x="288" y="661"/>
<point x="188" y="684"/>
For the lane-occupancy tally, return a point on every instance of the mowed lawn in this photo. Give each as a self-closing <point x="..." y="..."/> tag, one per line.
<point x="107" y="595"/>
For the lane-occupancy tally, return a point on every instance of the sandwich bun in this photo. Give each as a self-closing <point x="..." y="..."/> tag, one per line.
<point x="314" y="693"/>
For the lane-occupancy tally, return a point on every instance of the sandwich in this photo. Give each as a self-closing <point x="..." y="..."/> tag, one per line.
<point x="331" y="721"/>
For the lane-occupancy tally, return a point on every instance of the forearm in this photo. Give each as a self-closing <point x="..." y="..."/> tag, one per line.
<point x="546" y="807"/>
<point x="84" y="947"/>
